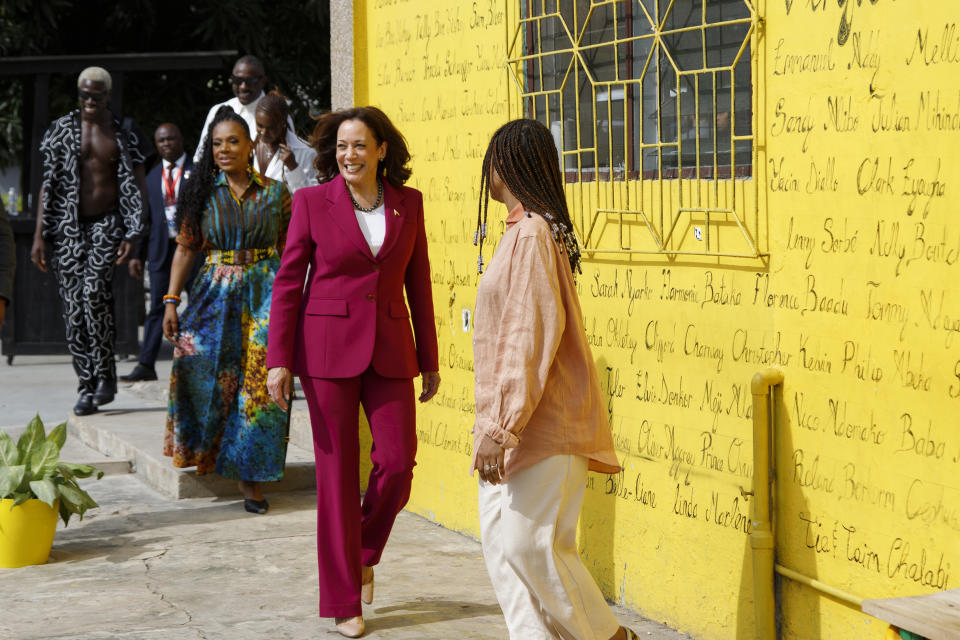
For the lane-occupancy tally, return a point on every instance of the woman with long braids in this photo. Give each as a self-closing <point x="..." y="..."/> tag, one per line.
<point x="348" y="335"/>
<point x="220" y="417"/>
<point x="540" y="416"/>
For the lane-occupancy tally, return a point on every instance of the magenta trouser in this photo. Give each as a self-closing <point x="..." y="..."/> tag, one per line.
<point x="350" y="534"/>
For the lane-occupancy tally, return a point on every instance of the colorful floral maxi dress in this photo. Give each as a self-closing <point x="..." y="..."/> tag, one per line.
<point x="220" y="416"/>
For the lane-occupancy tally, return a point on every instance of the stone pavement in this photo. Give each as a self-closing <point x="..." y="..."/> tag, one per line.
<point x="148" y="566"/>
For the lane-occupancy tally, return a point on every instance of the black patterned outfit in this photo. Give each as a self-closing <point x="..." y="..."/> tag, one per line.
<point x="85" y="249"/>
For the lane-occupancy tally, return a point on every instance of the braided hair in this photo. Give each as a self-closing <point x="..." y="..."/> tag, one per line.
<point x="196" y="190"/>
<point x="525" y="157"/>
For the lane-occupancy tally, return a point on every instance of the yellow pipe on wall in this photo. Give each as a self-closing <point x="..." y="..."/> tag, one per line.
<point x="762" y="540"/>
<point x="813" y="583"/>
<point x="761" y="521"/>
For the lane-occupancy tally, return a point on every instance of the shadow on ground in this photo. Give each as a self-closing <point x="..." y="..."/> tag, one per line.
<point x="427" y="611"/>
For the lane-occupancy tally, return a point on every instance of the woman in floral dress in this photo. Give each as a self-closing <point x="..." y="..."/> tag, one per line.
<point x="220" y="417"/>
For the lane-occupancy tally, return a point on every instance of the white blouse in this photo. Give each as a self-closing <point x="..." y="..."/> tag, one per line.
<point x="374" y="226"/>
<point x="305" y="175"/>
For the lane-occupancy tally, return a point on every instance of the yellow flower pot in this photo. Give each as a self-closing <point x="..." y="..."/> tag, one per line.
<point x="26" y="533"/>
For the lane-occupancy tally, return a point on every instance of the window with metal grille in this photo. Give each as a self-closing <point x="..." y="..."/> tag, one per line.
<point x="637" y="90"/>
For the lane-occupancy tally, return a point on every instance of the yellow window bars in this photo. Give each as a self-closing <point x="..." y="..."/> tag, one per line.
<point x="652" y="106"/>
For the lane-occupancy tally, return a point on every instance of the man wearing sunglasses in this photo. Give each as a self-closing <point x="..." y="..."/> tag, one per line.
<point x="247" y="81"/>
<point x="89" y="218"/>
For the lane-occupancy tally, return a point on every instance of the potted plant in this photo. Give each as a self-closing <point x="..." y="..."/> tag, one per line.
<point x="34" y="487"/>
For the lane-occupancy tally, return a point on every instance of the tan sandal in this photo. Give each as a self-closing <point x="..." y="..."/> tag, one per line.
<point x="366" y="589"/>
<point x="350" y="627"/>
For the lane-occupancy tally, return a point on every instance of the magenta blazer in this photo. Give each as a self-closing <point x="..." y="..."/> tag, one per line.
<point x="352" y="314"/>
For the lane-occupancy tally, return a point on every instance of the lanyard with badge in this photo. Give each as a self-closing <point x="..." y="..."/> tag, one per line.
<point x="170" y="198"/>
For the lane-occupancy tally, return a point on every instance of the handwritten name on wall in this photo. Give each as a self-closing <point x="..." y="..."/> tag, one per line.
<point x="438" y="71"/>
<point x="859" y="306"/>
<point x="858" y="303"/>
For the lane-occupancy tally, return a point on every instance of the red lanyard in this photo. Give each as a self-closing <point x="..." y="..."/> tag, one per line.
<point x="170" y="186"/>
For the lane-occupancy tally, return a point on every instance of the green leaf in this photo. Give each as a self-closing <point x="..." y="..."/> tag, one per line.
<point x="88" y="501"/>
<point x="31" y="437"/>
<point x="10" y="479"/>
<point x="78" y="499"/>
<point x="65" y="471"/>
<point x="21" y="497"/>
<point x="43" y="462"/>
<point x="58" y="435"/>
<point x="79" y="470"/>
<point x="72" y="496"/>
<point x="44" y="490"/>
<point x="65" y="513"/>
<point x="9" y="454"/>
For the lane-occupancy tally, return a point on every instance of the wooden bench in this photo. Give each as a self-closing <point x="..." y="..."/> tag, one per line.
<point x="935" y="616"/>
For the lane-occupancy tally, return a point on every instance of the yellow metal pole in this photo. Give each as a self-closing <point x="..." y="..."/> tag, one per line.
<point x="761" y="521"/>
<point x="847" y="598"/>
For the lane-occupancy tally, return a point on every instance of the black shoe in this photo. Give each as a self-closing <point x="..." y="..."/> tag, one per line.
<point x="85" y="405"/>
<point x="106" y="390"/>
<point x="256" y="506"/>
<point x="140" y="372"/>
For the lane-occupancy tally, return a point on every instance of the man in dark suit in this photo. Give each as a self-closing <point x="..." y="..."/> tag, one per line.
<point x="164" y="185"/>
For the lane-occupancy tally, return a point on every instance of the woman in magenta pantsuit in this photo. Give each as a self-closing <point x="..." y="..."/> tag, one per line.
<point x="347" y="334"/>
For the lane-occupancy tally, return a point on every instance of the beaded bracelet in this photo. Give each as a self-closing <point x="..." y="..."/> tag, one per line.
<point x="171" y="299"/>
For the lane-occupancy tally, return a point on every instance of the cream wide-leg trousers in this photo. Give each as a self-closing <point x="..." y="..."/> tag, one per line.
<point x="528" y="525"/>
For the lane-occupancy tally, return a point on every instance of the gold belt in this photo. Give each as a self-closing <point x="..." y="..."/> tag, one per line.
<point x="239" y="256"/>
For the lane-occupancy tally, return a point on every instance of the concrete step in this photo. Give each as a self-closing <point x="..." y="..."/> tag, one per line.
<point x="76" y="452"/>
<point x="301" y="434"/>
<point x="132" y="428"/>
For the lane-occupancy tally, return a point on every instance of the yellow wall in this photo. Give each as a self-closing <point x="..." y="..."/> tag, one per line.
<point x="857" y="303"/>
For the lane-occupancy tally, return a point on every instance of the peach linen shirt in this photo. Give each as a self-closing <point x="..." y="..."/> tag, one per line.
<point x="537" y="392"/>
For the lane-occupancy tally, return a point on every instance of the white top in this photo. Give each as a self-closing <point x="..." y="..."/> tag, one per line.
<point x="374" y="226"/>
<point x="170" y="210"/>
<point x="246" y="111"/>
<point x="305" y="175"/>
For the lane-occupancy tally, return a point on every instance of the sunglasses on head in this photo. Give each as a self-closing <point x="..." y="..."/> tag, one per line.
<point x="250" y="81"/>
<point x="96" y="96"/>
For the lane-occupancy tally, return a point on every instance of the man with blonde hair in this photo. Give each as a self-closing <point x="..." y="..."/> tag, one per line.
<point x="89" y="218"/>
<point x="96" y="74"/>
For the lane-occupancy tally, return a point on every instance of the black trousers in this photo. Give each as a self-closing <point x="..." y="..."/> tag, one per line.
<point x="84" y="270"/>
